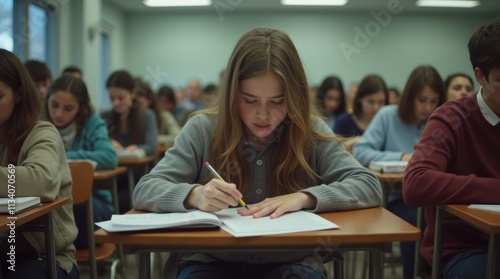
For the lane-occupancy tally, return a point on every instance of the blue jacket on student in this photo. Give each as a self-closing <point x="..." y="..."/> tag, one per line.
<point x="93" y="143"/>
<point x="387" y="137"/>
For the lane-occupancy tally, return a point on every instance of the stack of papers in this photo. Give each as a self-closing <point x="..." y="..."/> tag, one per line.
<point x="227" y="219"/>
<point x="138" y="153"/>
<point x="490" y="207"/>
<point x="19" y="204"/>
<point x="388" y="166"/>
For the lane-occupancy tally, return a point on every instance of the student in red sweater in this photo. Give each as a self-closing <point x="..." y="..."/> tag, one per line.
<point x="457" y="161"/>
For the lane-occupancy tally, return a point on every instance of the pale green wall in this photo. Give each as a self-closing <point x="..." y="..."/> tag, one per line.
<point x="186" y="45"/>
<point x="174" y="47"/>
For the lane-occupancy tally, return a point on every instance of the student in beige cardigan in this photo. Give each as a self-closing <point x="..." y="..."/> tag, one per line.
<point x="34" y="149"/>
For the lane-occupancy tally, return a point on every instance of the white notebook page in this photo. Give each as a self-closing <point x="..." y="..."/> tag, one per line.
<point x="299" y="221"/>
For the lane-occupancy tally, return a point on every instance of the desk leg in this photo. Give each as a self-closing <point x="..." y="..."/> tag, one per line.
<point x="49" y="246"/>
<point x="144" y="265"/>
<point x="492" y="256"/>
<point x="131" y="183"/>
<point x="436" y="257"/>
<point x="376" y="265"/>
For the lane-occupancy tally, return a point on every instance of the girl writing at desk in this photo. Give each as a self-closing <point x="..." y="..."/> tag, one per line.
<point x="263" y="139"/>
<point x="36" y="151"/>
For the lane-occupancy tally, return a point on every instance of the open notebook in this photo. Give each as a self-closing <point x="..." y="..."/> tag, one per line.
<point x="227" y="219"/>
<point x="125" y="154"/>
<point x="490" y="207"/>
<point x="388" y="166"/>
<point x="19" y="204"/>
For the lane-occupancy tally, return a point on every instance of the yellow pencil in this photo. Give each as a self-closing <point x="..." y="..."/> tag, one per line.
<point x="214" y="173"/>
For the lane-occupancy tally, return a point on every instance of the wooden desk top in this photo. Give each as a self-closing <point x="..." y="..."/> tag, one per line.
<point x="135" y="161"/>
<point x="486" y="220"/>
<point x="107" y="174"/>
<point x="373" y="225"/>
<point x="31" y="214"/>
<point x="388" y="177"/>
<point x="162" y="149"/>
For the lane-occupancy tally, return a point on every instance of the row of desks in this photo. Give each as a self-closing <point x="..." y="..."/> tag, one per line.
<point x="370" y="229"/>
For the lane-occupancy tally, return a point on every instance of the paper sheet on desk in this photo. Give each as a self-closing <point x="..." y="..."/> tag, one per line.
<point x="490" y="207"/>
<point x="299" y="221"/>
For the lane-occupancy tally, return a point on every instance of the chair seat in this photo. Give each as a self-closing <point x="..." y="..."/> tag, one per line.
<point x="102" y="252"/>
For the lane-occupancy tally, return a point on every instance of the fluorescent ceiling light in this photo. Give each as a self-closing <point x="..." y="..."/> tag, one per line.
<point x="314" y="2"/>
<point x="448" y="3"/>
<point x="177" y="3"/>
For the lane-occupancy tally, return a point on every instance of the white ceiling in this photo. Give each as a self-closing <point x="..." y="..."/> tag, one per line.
<point x="487" y="6"/>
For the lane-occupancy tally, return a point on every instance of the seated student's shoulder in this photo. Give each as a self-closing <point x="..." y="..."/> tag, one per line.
<point x="456" y="110"/>
<point x="344" y="117"/>
<point x="44" y="128"/>
<point x="95" y="120"/>
<point x="202" y="120"/>
<point x="320" y="125"/>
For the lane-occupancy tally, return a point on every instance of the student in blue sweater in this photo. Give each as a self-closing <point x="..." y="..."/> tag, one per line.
<point x="393" y="133"/>
<point x="85" y="137"/>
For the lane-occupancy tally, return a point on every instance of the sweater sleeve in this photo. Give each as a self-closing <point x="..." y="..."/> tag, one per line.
<point x="427" y="182"/>
<point x="150" y="132"/>
<point x="371" y="147"/>
<point x="42" y="166"/>
<point x="96" y="145"/>
<point x="170" y="129"/>
<point x="167" y="185"/>
<point x="345" y="184"/>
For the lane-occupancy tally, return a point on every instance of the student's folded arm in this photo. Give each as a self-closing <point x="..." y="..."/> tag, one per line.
<point x="369" y="147"/>
<point x="426" y="182"/>
<point x="344" y="183"/>
<point x="150" y="133"/>
<point x="169" y="183"/>
<point x="43" y="167"/>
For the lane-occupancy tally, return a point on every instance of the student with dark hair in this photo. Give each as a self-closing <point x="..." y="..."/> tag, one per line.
<point x="371" y="96"/>
<point x="168" y="128"/>
<point x="130" y="127"/>
<point x="209" y="94"/>
<point x="85" y="137"/>
<point x="331" y="99"/>
<point x="261" y="136"/>
<point x="457" y="160"/>
<point x="41" y="76"/>
<point x="73" y="71"/>
<point x="392" y="135"/>
<point x="36" y="151"/>
<point x="458" y="85"/>
<point x="394" y="96"/>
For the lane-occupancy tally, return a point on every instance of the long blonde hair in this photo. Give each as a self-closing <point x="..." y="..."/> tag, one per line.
<point x="260" y="51"/>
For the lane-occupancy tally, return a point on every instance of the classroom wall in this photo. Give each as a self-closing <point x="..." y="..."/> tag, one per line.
<point x="171" y="48"/>
<point x="166" y="47"/>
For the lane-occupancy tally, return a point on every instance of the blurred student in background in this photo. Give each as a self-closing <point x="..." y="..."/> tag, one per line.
<point x="209" y="94"/>
<point x="72" y="71"/>
<point x="85" y="137"/>
<point x="394" y="96"/>
<point x="371" y="96"/>
<point x="130" y="127"/>
<point x="458" y="85"/>
<point x="41" y="76"/>
<point x="167" y="125"/>
<point x="331" y="99"/>
<point x="392" y="135"/>
<point x="35" y="151"/>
